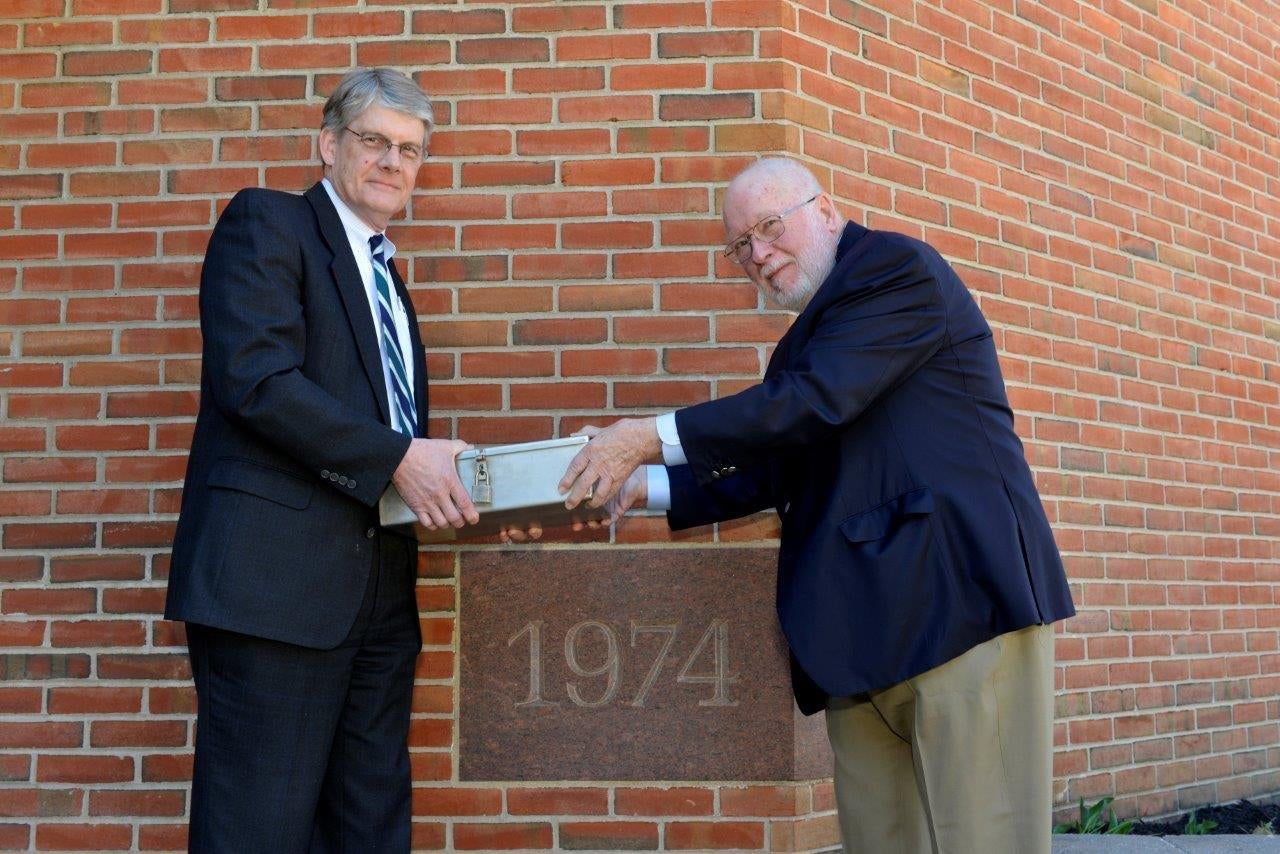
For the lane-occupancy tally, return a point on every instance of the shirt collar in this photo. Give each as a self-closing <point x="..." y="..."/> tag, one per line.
<point x="358" y="231"/>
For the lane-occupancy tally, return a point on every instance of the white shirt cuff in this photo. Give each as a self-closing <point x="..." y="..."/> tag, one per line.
<point x="659" y="488"/>
<point x="672" y="453"/>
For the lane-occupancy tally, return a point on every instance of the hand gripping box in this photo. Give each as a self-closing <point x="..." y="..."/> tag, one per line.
<point x="509" y="484"/>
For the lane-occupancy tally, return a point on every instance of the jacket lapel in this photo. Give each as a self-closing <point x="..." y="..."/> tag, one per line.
<point x="419" y="355"/>
<point x="354" y="298"/>
<point x="852" y="242"/>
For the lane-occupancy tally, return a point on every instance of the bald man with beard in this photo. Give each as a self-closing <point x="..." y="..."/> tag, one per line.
<point x="917" y="573"/>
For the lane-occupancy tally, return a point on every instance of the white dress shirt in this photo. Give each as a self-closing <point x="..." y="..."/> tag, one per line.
<point x="659" y="485"/>
<point x="359" y="232"/>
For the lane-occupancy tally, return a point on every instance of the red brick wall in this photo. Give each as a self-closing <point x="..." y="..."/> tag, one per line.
<point x="1103" y="174"/>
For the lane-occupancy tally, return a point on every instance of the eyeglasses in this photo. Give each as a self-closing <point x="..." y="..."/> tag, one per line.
<point x="768" y="229"/>
<point x="376" y="143"/>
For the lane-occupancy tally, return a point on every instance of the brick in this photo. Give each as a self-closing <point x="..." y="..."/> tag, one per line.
<point x="663" y="802"/>
<point x="138" y="733"/>
<point x="412" y="53"/>
<point x="260" y="27"/>
<point x="686" y="44"/>
<point x="110" y="184"/>
<point x="558" y="395"/>
<point x="45" y="33"/>
<point x="260" y="88"/>
<point x="164" y="30"/>
<point x="90" y="700"/>
<point x="85" y="768"/>
<point x="501" y="173"/>
<point x="543" y="142"/>
<point x="98" y="633"/>
<point x="508" y="364"/>
<point x="558" y="19"/>
<point x="671" y="328"/>
<point x="469" y="22"/>
<point x="28" y="65"/>
<point x="686" y="75"/>
<point x="609" y="835"/>
<point x="187" y="119"/>
<point x="42" y="734"/>
<point x="557" y="79"/>
<point x="528" y="236"/>
<point x="182" y="6"/>
<point x="83" y="837"/>
<point x="558" y="205"/>
<point x="143" y="666"/>
<point x="479" y="836"/>
<point x="737" y="835"/>
<point x="559" y="331"/>
<point x="104" y="63"/>
<point x="573" y="801"/>
<point x="608" y="362"/>
<point x="36" y="8"/>
<point x="579" y="48"/>
<point x="44" y="666"/>
<point x="457" y="801"/>
<point x="54" y="535"/>
<point x="684" y="108"/>
<point x="146" y="802"/>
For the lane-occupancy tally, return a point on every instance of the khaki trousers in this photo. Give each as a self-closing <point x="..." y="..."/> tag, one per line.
<point x="957" y="760"/>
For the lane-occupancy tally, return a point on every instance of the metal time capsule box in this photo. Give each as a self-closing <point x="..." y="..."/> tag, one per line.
<point x="509" y="484"/>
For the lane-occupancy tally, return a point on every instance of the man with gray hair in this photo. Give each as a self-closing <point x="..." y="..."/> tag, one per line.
<point x="917" y="575"/>
<point x="300" y="612"/>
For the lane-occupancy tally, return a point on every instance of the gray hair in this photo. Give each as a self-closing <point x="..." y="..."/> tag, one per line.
<point x="779" y="171"/>
<point x="361" y="88"/>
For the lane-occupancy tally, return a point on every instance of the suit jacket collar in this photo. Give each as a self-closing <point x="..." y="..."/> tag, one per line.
<point x="850" y="245"/>
<point x="351" y="287"/>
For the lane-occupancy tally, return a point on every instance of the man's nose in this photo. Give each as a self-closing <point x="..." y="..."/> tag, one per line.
<point x="760" y="248"/>
<point x="390" y="158"/>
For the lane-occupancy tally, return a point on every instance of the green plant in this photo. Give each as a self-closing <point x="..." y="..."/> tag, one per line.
<point x="1264" y="829"/>
<point x="1099" y="818"/>
<point x="1198" y="828"/>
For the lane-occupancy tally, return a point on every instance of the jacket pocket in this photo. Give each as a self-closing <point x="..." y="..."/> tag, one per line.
<point x="266" y="482"/>
<point x="875" y="523"/>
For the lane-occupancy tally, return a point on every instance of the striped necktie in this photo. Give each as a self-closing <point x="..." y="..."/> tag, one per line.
<point x="406" y="416"/>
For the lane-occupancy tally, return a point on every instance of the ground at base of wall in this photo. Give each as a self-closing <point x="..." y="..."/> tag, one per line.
<point x="1241" y="817"/>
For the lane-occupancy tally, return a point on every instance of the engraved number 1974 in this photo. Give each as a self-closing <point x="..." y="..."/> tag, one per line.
<point x="716" y="635"/>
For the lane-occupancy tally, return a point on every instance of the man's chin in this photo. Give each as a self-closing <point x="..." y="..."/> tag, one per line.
<point x="792" y="298"/>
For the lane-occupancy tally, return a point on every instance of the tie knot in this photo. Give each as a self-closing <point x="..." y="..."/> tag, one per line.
<point x="375" y="245"/>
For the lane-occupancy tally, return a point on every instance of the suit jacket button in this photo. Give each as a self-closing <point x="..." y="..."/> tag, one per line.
<point x="324" y="473"/>
<point x="351" y="484"/>
<point x="368" y="535"/>
<point x="343" y="480"/>
<point x="715" y="475"/>
<point x="333" y="476"/>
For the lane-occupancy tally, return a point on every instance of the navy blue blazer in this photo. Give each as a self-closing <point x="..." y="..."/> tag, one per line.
<point x="292" y="446"/>
<point x="881" y="433"/>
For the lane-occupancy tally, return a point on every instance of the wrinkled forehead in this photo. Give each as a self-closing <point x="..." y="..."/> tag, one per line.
<point x="391" y="123"/>
<point x="750" y="198"/>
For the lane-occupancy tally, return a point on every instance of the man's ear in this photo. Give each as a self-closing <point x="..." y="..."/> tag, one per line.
<point x="827" y="210"/>
<point x="328" y="146"/>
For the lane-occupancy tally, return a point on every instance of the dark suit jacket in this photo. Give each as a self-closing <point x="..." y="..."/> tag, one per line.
<point x="911" y="526"/>
<point x="292" y="448"/>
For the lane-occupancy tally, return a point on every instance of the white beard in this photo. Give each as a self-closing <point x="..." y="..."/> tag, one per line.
<point x="813" y="265"/>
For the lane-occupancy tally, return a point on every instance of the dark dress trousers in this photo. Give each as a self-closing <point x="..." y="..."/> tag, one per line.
<point x="300" y="609"/>
<point x="881" y="433"/>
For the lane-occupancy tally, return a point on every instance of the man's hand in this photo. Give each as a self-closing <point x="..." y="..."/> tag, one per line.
<point x="520" y="533"/>
<point x="609" y="459"/>
<point x="427" y="479"/>
<point x="634" y="493"/>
